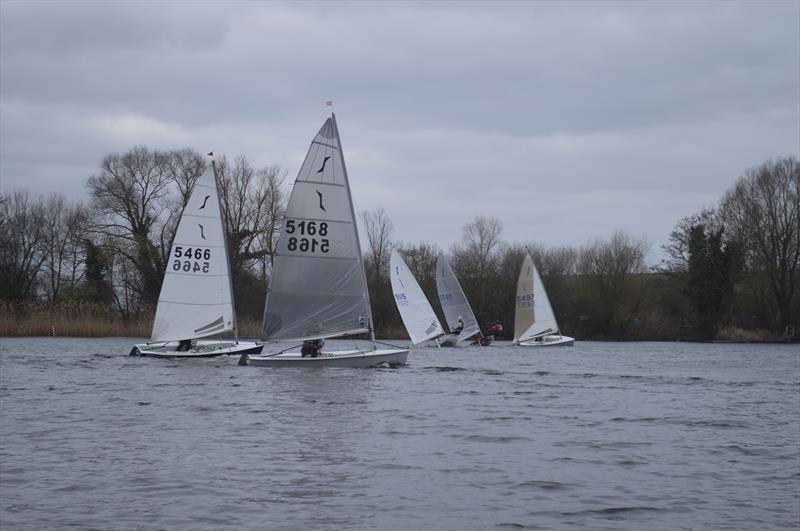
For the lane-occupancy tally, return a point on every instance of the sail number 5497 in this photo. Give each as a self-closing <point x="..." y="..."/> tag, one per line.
<point x="306" y="243"/>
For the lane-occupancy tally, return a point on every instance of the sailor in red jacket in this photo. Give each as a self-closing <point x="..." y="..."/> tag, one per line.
<point x="496" y="329"/>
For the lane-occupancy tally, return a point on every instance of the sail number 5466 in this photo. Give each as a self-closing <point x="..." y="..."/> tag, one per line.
<point x="307" y="228"/>
<point x="191" y="260"/>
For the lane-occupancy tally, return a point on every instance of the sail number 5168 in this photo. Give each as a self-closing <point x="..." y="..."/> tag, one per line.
<point x="307" y="228"/>
<point x="304" y="228"/>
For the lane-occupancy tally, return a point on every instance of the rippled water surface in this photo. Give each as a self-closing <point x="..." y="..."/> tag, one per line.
<point x="598" y="436"/>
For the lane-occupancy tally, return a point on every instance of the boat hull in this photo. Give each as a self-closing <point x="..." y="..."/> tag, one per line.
<point x="549" y="341"/>
<point x="448" y="341"/>
<point x="203" y="349"/>
<point x="451" y="340"/>
<point x="356" y="359"/>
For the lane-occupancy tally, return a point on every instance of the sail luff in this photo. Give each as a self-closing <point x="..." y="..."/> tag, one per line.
<point x="524" y="316"/>
<point x="227" y="251"/>
<point x="355" y="227"/>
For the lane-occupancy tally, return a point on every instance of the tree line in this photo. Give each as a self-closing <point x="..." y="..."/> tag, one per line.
<point x="730" y="270"/>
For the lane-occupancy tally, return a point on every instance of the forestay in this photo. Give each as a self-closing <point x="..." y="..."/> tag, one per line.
<point x="454" y="302"/>
<point x="418" y="315"/>
<point x="196" y="298"/>
<point x="318" y="287"/>
<point x="533" y="314"/>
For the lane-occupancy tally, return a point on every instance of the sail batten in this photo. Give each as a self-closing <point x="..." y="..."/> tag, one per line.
<point x="318" y="287"/>
<point x="196" y="289"/>
<point x="454" y="302"/>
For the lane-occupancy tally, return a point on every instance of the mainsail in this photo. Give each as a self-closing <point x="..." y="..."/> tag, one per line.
<point x="454" y="302"/>
<point x="418" y="315"/>
<point x="196" y="297"/>
<point x="533" y="315"/>
<point x="318" y="286"/>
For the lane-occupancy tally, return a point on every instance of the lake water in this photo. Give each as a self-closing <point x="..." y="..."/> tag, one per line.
<point x="599" y="436"/>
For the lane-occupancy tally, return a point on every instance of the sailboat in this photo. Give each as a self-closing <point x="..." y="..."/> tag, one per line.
<point x="457" y="310"/>
<point x="196" y="299"/>
<point x="318" y="288"/>
<point x="535" y="323"/>
<point x="418" y="316"/>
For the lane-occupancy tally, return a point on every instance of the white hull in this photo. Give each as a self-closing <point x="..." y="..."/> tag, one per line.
<point x="549" y="341"/>
<point x="448" y="341"/>
<point x="343" y="358"/>
<point x="202" y="349"/>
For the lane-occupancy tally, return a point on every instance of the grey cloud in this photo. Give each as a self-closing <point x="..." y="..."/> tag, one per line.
<point x="621" y="115"/>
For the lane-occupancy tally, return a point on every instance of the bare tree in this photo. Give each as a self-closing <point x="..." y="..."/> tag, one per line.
<point x="763" y="211"/>
<point x="677" y="247"/>
<point x="252" y="203"/>
<point x="379" y="244"/>
<point x="23" y="246"/>
<point x="610" y="270"/>
<point x="129" y="197"/>
<point x="64" y="232"/>
<point x="184" y="167"/>
<point x="481" y="239"/>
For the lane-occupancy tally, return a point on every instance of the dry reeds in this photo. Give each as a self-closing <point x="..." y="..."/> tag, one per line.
<point x="740" y="335"/>
<point x="77" y="319"/>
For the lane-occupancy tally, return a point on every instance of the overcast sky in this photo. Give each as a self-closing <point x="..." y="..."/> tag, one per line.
<point x="566" y="121"/>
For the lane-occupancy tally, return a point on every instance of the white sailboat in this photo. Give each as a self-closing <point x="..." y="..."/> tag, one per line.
<point x="196" y="299"/>
<point x="318" y="287"/>
<point x="457" y="310"/>
<point x="418" y="316"/>
<point x="535" y="323"/>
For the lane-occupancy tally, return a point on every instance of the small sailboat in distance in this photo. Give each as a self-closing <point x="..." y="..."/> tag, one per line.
<point x="535" y="323"/>
<point x="196" y="299"/>
<point x="457" y="311"/>
<point x="318" y="287"/>
<point x="418" y="316"/>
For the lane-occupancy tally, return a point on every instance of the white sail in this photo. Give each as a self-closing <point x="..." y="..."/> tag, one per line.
<point x="196" y="298"/>
<point x="418" y="315"/>
<point x="533" y="314"/>
<point x="318" y="286"/>
<point x="454" y="302"/>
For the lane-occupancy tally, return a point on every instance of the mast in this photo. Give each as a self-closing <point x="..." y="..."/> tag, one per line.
<point x="227" y="254"/>
<point x="355" y="227"/>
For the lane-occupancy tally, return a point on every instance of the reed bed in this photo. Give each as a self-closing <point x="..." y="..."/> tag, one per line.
<point x="76" y="319"/>
<point x="249" y="328"/>
<point x="740" y="335"/>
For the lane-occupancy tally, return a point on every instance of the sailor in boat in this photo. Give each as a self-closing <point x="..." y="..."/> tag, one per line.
<point x="458" y="327"/>
<point x="496" y="329"/>
<point x="312" y="348"/>
<point x="481" y="340"/>
<point x="184" y="345"/>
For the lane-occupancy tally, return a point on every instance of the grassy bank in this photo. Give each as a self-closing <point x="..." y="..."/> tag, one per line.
<point x="93" y="320"/>
<point x="70" y="319"/>
<point x="84" y="320"/>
